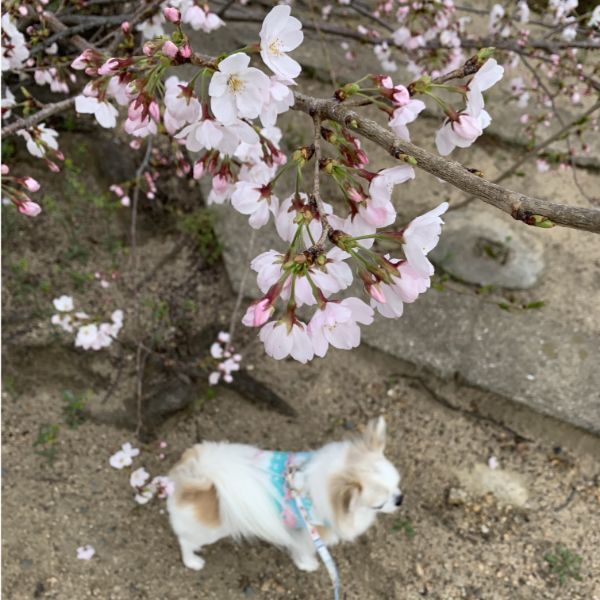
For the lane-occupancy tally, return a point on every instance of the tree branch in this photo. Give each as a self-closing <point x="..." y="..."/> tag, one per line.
<point x="519" y="206"/>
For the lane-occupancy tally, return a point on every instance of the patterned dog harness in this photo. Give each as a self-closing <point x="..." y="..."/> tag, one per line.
<point x="278" y="464"/>
<point x="295" y="506"/>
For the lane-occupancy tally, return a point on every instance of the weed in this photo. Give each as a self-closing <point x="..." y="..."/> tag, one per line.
<point x="46" y="438"/>
<point x="199" y="225"/>
<point x="74" y="409"/>
<point x="406" y="526"/>
<point x="564" y="564"/>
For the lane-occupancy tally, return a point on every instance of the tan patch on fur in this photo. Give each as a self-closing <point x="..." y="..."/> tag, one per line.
<point x="190" y="454"/>
<point x="204" y="500"/>
<point x="342" y="489"/>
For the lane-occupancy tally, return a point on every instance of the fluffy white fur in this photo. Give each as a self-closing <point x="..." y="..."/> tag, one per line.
<point x="220" y="492"/>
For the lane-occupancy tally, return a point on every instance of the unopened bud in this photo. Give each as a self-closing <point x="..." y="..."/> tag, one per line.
<point x="172" y="14"/>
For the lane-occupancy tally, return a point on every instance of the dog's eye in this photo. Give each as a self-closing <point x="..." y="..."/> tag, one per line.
<point x="378" y="507"/>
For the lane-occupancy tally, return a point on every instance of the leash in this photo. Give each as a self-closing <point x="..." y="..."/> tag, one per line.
<point x="318" y="543"/>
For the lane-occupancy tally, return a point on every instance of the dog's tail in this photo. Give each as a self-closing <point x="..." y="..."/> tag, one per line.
<point x="246" y="500"/>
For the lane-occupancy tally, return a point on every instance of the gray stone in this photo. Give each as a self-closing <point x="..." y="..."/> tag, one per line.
<point x="486" y="249"/>
<point x="456" y="497"/>
<point x="507" y="486"/>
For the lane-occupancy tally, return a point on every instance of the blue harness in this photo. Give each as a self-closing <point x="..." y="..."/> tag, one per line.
<point x="278" y="465"/>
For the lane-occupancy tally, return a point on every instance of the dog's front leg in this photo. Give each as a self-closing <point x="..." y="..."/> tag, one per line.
<point x="303" y="552"/>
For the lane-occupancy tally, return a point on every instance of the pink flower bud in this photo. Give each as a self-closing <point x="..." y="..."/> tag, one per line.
<point x="172" y="14"/>
<point x="154" y="111"/>
<point x="354" y="195"/>
<point x="52" y="166"/>
<point x="185" y="51"/>
<point x="401" y="96"/>
<point x="81" y="62"/>
<point x="125" y="27"/>
<point x="376" y="294"/>
<point x="5" y="170"/>
<point x="31" y="184"/>
<point x="219" y="184"/>
<point x="170" y="49"/>
<point x="109" y="67"/>
<point x="198" y="169"/>
<point x="258" y="313"/>
<point x="147" y="50"/>
<point x="23" y="11"/>
<point x="29" y="209"/>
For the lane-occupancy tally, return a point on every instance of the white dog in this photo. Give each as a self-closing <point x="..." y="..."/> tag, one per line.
<point x="235" y="490"/>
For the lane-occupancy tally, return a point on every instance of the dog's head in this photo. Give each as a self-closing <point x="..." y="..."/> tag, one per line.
<point x="368" y="484"/>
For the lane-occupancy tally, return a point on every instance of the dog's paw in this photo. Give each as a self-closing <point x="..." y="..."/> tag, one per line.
<point x="306" y="563"/>
<point x="193" y="562"/>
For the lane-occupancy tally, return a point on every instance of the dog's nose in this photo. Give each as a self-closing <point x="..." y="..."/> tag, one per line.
<point x="399" y="500"/>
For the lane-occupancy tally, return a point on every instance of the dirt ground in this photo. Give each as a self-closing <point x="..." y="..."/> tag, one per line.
<point x="467" y="545"/>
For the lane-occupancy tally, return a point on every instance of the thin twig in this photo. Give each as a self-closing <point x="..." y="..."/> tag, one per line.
<point x="240" y="295"/>
<point x="140" y="363"/>
<point x="46" y="112"/>
<point x="317" y="184"/>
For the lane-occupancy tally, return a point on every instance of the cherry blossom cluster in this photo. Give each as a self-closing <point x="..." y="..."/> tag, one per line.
<point x="145" y="489"/>
<point x="91" y="335"/>
<point x="220" y="124"/>
<point x="227" y="360"/>
<point x="432" y="34"/>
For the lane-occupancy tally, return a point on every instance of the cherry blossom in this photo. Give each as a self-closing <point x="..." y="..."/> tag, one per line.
<point x="181" y="106"/>
<point x="163" y="486"/>
<point x="421" y="236"/>
<point x="280" y="33"/>
<point x="282" y="338"/>
<point x="237" y="90"/>
<point x="14" y="49"/>
<point x="43" y="138"/>
<point x="85" y="552"/>
<point x="336" y="323"/>
<point x="104" y="112"/>
<point x="379" y="210"/>
<point x="124" y="457"/>
<point x="200" y="18"/>
<point x="138" y="477"/>
<point x="487" y="76"/>
<point x="8" y="101"/>
<point x="405" y="287"/>
<point x="461" y="131"/>
<point x="403" y="115"/>
<point x="63" y="303"/>
<point x="254" y="197"/>
<point x="279" y="101"/>
<point x="295" y="211"/>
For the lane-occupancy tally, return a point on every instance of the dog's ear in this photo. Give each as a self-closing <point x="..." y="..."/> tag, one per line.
<point x="374" y="435"/>
<point x="345" y="491"/>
